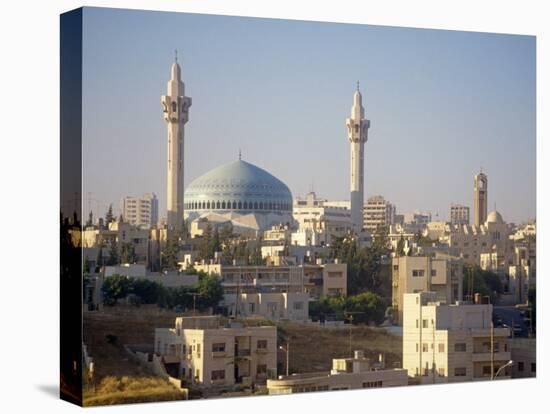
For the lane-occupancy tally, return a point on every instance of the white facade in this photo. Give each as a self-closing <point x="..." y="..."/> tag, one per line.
<point x="451" y="343"/>
<point x="175" y="108"/>
<point x="414" y="274"/>
<point x="141" y="211"/>
<point x="346" y="374"/>
<point x="377" y="212"/>
<point x="357" y="128"/>
<point x="460" y="214"/>
<point x="292" y="306"/>
<point x="210" y="356"/>
<point x="319" y="223"/>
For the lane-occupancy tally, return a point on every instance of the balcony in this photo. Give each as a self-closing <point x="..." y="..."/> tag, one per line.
<point x="242" y="352"/>
<point x="486" y="356"/>
<point x="218" y="354"/>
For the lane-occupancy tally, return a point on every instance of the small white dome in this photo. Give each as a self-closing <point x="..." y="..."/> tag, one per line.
<point x="494" y="217"/>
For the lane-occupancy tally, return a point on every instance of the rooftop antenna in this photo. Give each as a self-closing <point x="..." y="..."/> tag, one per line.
<point x="176" y="54"/>
<point x="357" y="86"/>
<point x="239" y="154"/>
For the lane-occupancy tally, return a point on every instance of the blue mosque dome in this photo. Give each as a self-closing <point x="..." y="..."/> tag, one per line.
<point x="238" y="187"/>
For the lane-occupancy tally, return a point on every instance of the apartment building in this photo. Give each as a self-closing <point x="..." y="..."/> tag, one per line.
<point x="141" y="211"/>
<point x="119" y="233"/>
<point x="412" y="274"/>
<point x="377" y="212"/>
<point x="276" y="306"/>
<point x="207" y="355"/>
<point x="346" y="374"/>
<point x="284" y="288"/>
<point x="452" y="342"/>
<point x="322" y="222"/>
<point x="460" y="214"/>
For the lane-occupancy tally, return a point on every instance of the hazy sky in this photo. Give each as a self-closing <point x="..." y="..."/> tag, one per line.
<point x="442" y="104"/>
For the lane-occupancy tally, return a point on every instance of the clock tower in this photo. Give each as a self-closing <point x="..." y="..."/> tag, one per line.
<point x="480" y="199"/>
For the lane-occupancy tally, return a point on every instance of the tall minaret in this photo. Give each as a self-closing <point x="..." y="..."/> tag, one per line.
<point x="358" y="128"/>
<point x="175" y="106"/>
<point x="480" y="199"/>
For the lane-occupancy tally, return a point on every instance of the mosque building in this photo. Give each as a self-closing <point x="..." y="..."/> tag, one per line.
<point x="241" y="193"/>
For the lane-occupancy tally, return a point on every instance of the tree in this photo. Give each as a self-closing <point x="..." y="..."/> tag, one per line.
<point x="115" y="288"/>
<point x="485" y="283"/>
<point x="205" y="245"/>
<point x="109" y="215"/>
<point x="114" y="258"/>
<point x="209" y="290"/>
<point x="169" y="255"/>
<point x="367" y="307"/>
<point x="128" y="253"/>
<point x="90" y="221"/>
<point x="148" y="291"/>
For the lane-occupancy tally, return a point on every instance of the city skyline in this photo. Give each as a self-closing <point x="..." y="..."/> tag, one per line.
<point x="483" y="82"/>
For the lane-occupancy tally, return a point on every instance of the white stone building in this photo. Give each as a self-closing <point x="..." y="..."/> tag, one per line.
<point x="317" y="222"/>
<point x="141" y="211"/>
<point x="460" y="214"/>
<point x="207" y="355"/>
<point x="413" y="274"/>
<point x="377" y="212"/>
<point x="452" y="342"/>
<point x="347" y="374"/>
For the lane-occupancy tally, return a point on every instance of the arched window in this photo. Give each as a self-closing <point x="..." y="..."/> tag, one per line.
<point x="261" y="205"/>
<point x="246" y="205"/>
<point x="174" y="107"/>
<point x="218" y="205"/>
<point x="255" y="205"/>
<point x="234" y="205"/>
<point x="208" y="205"/>
<point x="239" y="205"/>
<point x="223" y="205"/>
<point x="270" y="206"/>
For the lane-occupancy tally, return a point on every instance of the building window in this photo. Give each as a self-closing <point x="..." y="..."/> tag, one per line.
<point x="198" y="350"/>
<point x="261" y="369"/>
<point x="424" y="323"/>
<point x="533" y="367"/>
<point x="417" y="347"/>
<point x="218" y="347"/>
<point x="460" y="347"/>
<point x="298" y="305"/>
<point x="520" y="367"/>
<point x="441" y="347"/>
<point x="417" y="323"/>
<point x="395" y="267"/>
<point x="418" y="273"/>
<point x="460" y="371"/>
<point x="174" y="107"/>
<point x="251" y="307"/>
<point x="262" y="344"/>
<point x="425" y="347"/>
<point x="372" y="384"/>
<point x="434" y="273"/>
<point x="218" y="375"/>
<point x="486" y="370"/>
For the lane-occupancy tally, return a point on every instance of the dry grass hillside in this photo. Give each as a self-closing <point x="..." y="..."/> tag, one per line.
<point x="120" y="380"/>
